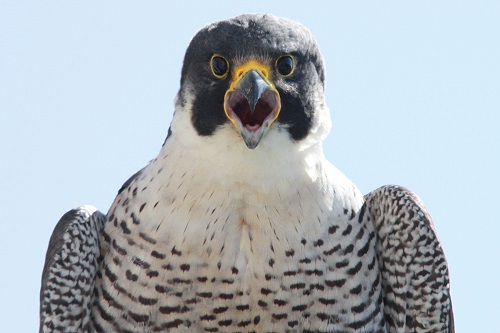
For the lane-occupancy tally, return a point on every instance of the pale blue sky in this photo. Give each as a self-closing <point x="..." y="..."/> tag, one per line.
<point x="86" y="98"/>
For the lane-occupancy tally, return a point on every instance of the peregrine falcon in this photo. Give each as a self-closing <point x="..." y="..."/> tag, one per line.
<point x="240" y="224"/>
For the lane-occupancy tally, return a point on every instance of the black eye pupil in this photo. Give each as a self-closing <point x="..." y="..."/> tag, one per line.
<point x="219" y="66"/>
<point x="285" y="65"/>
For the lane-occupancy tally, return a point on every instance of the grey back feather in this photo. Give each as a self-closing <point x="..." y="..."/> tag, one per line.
<point x="414" y="270"/>
<point x="71" y="264"/>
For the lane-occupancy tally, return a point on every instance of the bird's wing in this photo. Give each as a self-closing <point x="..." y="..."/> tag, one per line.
<point x="70" y="268"/>
<point x="413" y="264"/>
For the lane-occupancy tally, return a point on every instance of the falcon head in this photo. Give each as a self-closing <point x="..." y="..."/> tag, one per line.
<point x="252" y="79"/>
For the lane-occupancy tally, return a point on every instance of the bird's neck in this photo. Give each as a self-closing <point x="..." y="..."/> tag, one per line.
<point x="234" y="165"/>
<point x="195" y="183"/>
<point x="187" y="190"/>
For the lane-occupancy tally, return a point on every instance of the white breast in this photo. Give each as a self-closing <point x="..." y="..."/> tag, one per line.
<point x="231" y="236"/>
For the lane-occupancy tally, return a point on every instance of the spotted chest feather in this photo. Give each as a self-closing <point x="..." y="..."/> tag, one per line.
<point x="216" y="260"/>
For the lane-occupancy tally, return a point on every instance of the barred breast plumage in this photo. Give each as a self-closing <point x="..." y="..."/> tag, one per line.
<point x="240" y="224"/>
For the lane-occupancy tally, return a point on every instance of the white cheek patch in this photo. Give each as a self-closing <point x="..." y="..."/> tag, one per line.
<point x="226" y="135"/>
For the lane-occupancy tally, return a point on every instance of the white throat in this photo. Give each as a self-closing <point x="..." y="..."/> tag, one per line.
<point x="227" y="158"/>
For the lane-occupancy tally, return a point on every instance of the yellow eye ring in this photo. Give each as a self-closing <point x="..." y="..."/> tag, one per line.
<point x="285" y="65"/>
<point x="219" y="66"/>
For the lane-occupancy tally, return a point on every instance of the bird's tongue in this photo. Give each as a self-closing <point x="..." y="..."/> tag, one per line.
<point x="238" y="103"/>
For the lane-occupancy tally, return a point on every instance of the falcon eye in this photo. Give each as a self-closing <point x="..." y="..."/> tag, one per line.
<point x="285" y="65"/>
<point x="219" y="66"/>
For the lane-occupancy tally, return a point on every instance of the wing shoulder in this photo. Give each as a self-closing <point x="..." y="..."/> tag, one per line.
<point x="413" y="265"/>
<point x="68" y="276"/>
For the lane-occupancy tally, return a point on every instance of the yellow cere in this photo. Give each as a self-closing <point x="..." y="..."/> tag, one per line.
<point x="238" y="73"/>
<point x="241" y="70"/>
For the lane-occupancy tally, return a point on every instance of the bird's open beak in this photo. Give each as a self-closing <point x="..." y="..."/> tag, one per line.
<point x="252" y="102"/>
